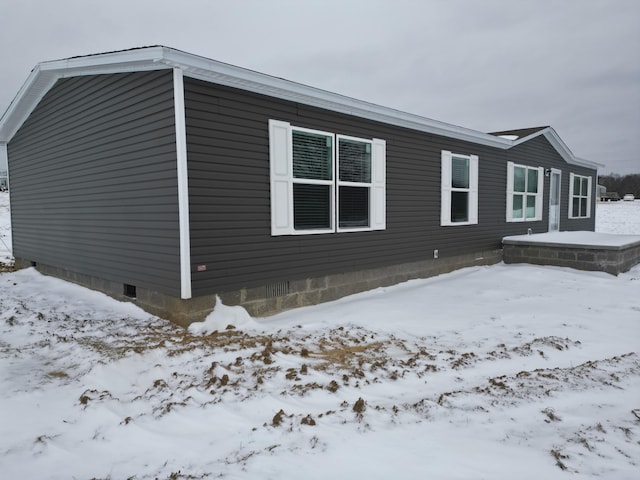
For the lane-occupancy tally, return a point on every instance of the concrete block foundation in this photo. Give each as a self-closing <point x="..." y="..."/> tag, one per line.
<point x="267" y="300"/>
<point x="614" y="255"/>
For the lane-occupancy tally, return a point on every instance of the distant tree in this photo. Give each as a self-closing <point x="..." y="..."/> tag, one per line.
<point x="621" y="183"/>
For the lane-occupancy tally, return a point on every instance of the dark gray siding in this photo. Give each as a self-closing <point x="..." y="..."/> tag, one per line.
<point x="93" y="177"/>
<point x="228" y="152"/>
<point x="539" y="148"/>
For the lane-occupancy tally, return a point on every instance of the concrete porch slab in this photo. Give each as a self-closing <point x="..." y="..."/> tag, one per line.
<point x="592" y="251"/>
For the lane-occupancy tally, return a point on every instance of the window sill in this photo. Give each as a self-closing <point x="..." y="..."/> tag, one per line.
<point x="326" y="232"/>
<point x="457" y="224"/>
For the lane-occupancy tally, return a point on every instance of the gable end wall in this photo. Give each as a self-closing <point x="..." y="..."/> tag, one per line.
<point x="93" y="176"/>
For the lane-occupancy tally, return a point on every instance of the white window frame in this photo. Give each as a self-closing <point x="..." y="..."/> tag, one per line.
<point x="342" y="183"/>
<point x="539" y="195"/>
<point x="446" y="189"/>
<point x="306" y="181"/>
<point x="572" y="194"/>
<point x="282" y="181"/>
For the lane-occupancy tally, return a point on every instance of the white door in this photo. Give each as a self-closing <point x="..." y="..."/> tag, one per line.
<point x="554" y="201"/>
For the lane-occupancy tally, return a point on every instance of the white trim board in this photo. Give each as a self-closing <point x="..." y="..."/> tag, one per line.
<point x="44" y="76"/>
<point x="183" y="185"/>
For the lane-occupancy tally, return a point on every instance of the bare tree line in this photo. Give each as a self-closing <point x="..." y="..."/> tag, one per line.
<point x="621" y="184"/>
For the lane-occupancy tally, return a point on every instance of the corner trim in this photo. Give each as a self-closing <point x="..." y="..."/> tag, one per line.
<point x="4" y="156"/>
<point x="183" y="184"/>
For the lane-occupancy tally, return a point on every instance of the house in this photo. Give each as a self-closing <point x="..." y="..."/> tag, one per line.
<point x="168" y="178"/>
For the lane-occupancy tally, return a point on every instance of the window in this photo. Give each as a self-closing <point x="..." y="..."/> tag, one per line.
<point x="579" y="196"/>
<point x="525" y="186"/>
<point x="459" y="193"/>
<point x="322" y="182"/>
<point x="312" y="179"/>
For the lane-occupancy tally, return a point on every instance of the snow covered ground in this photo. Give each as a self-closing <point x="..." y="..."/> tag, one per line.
<point x="501" y="372"/>
<point x="618" y="217"/>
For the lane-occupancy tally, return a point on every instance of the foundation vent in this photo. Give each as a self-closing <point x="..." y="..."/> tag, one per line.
<point x="129" y="291"/>
<point x="277" y="289"/>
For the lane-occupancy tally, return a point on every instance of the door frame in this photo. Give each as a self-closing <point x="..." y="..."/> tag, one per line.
<point x="555" y="171"/>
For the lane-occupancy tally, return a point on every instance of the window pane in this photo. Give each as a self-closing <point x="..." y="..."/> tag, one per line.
<point x="312" y="155"/>
<point x="532" y="180"/>
<point x="531" y="206"/>
<point x="576" y="185"/>
<point x="459" y="206"/>
<point x="576" y="207"/>
<point x="585" y="187"/>
<point x="519" y="174"/>
<point x="311" y="206"/>
<point x="459" y="172"/>
<point x="583" y="207"/>
<point x="355" y="161"/>
<point x="518" y="211"/>
<point x="354" y="207"/>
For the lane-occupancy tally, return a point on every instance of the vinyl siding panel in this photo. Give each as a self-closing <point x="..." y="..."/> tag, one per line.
<point x="93" y="176"/>
<point x="228" y="161"/>
<point x="539" y="148"/>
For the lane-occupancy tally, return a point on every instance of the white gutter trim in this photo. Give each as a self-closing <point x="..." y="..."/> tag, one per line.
<point x="138" y="55"/>
<point x="230" y="75"/>
<point x="44" y="76"/>
<point x="32" y="91"/>
<point x="583" y="162"/>
<point x="183" y="185"/>
<point x="561" y="147"/>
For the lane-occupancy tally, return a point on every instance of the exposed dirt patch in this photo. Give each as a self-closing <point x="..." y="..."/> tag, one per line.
<point x="7" y="268"/>
<point x="404" y="378"/>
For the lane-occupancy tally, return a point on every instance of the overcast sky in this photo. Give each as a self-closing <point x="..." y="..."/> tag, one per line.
<point x="488" y="65"/>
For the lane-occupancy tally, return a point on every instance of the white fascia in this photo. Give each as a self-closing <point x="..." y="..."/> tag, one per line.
<point x="561" y="147"/>
<point x="142" y="59"/>
<point x="45" y="75"/>
<point x="183" y="184"/>
<point x="32" y="91"/>
<point x="222" y="73"/>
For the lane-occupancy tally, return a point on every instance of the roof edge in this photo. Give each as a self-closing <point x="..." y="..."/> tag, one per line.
<point x="558" y="144"/>
<point x="45" y="74"/>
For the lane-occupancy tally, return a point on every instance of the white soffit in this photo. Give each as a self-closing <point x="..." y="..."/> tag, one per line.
<point x="44" y="76"/>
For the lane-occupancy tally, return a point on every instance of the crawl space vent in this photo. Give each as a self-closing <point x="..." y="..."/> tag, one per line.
<point x="277" y="289"/>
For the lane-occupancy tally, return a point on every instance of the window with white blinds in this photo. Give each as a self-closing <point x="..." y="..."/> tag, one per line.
<point x="459" y="189"/>
<point x="323" y="182"/>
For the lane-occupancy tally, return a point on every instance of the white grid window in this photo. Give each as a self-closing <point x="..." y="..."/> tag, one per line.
<point x="579" y="196"/>
<point x="525" y="187"/>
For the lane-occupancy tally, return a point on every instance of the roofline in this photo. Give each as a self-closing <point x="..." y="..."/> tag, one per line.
<point x="554" y="139"/>
<point x="45" y="74"/>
